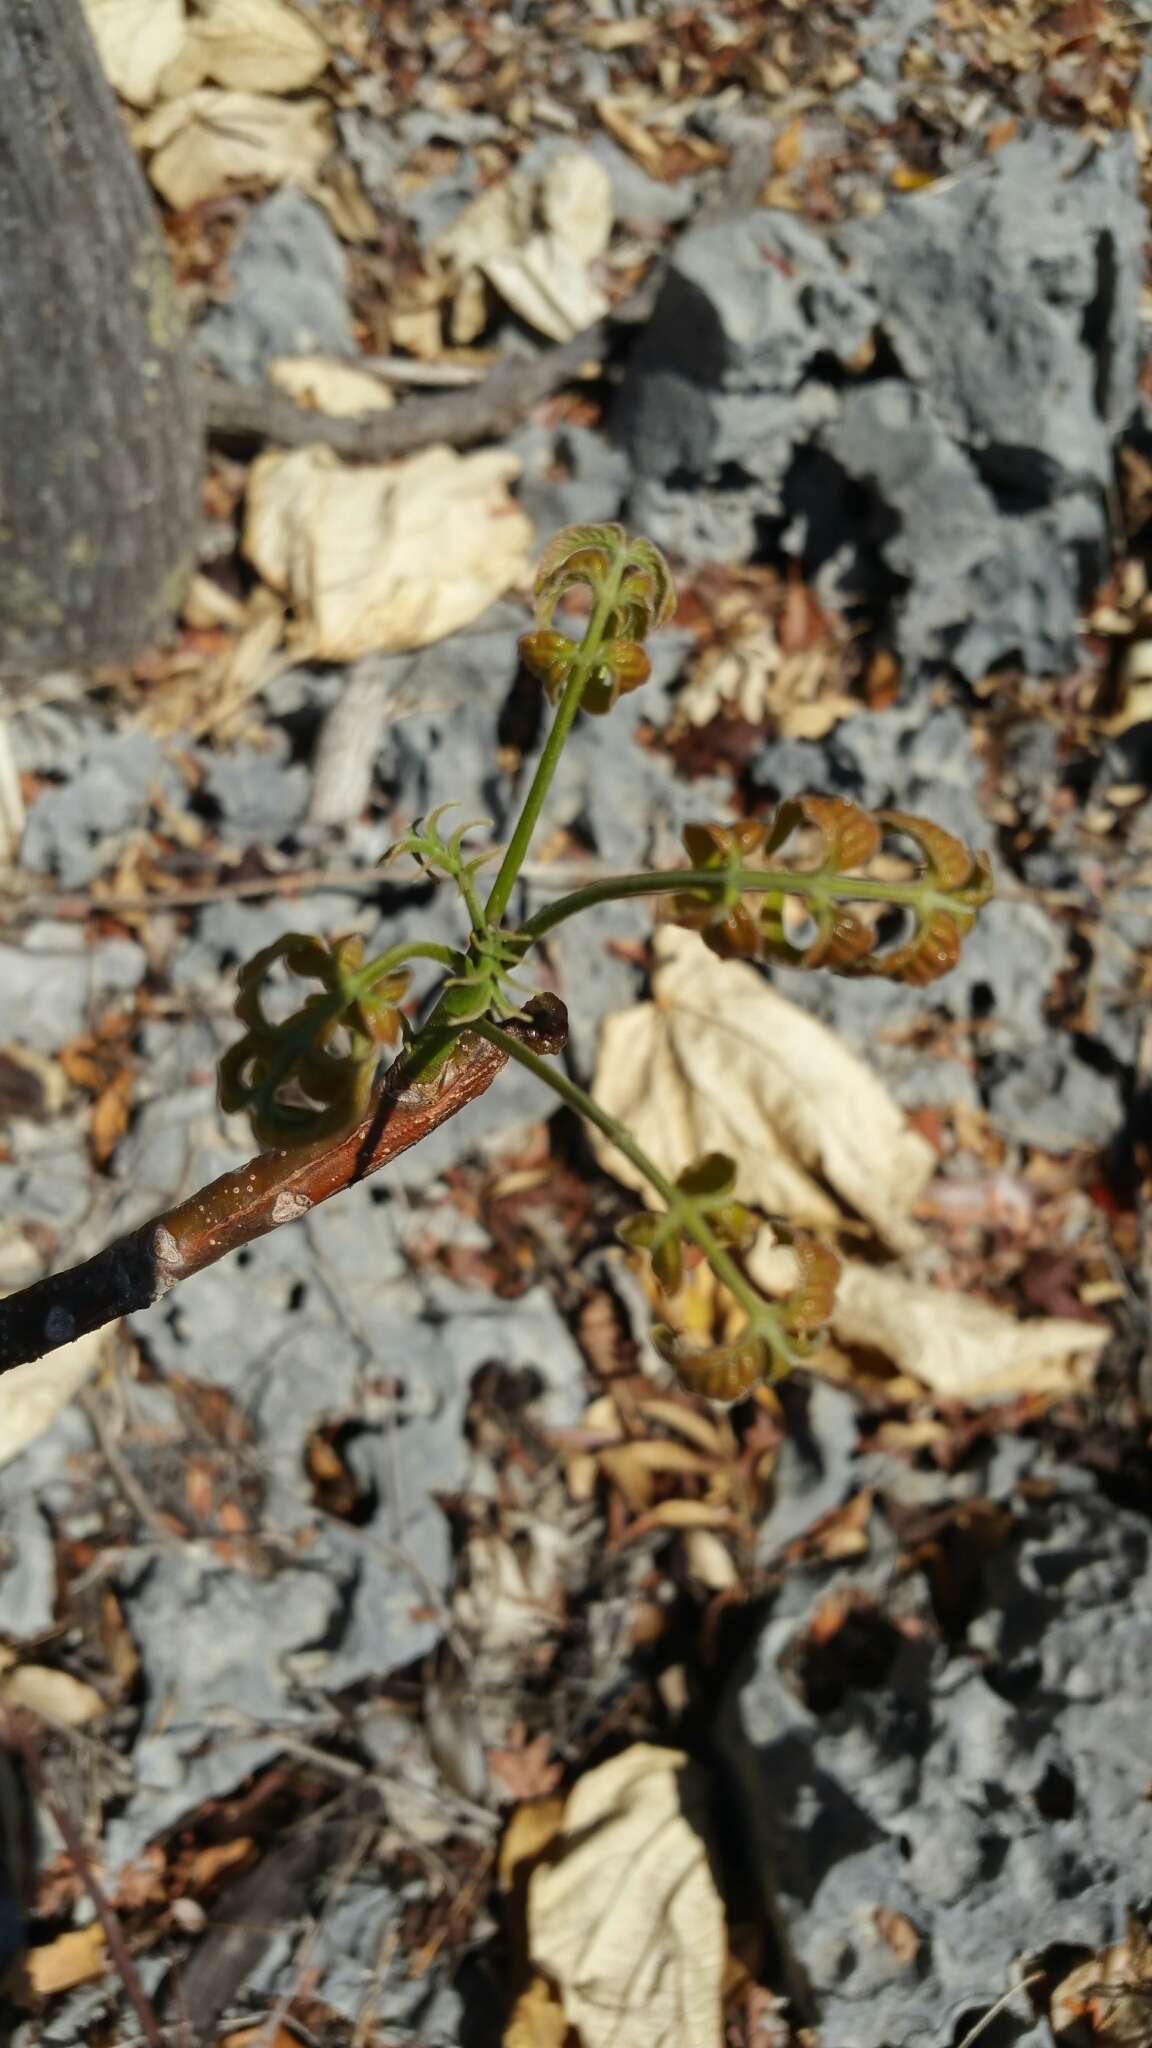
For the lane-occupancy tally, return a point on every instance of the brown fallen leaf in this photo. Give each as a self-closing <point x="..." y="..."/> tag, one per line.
<point x="385" y="557"/>
<point x="523" y="1769"/>
<point x="538" y="2019"/>
<point x="110" y="1111"/>
<point x="719" y="1062"/>
<point x="901" y="1934"/>
<point x="73" y="1958"/>
<point x="259" y="2037"/>
<point x="634" y="1467"/>
<point x="576" y="202"/>
<point x="1108" y="1998"/>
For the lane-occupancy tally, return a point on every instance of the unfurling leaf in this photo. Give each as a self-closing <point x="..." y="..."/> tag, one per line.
<point x="708" y="1184"/>
<point x="310" y="1077"/>
<point x="605" y="560"/>
<point x="739" y="921"/>
<point x="722" y="1372"/>
<point x="785" y="1335"/>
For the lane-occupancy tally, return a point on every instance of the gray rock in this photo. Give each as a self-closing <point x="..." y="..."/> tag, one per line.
<point x="1056" y="1101"/>
<point x="218" y="1686"/>
<point x="989" y="1792"/>
<point x="1020" y="322"/>
<point x="261" y="799"/>
<point x="289" y="291"/>
<point x="640" y="201"/>
<point x="72" y="827"/>
<point x="886" y="29"/>
<point x="961" y="499"/>
<point x="53" y="982"/>
<point x="594" y="489"/>
<point x="746" y="307"/>
<point x="981" y="583"/>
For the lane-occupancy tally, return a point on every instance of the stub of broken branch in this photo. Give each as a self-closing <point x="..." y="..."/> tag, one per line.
<point x="272" y="1189"/>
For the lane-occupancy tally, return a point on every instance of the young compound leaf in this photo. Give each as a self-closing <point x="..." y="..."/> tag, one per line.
<point x="633" y="579"/>
<point x="739" y="921"/>
<point x="310" y="1076"/>
<point x="721" y="1372"/>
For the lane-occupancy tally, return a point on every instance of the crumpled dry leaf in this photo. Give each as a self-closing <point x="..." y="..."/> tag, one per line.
<point x="512" y="1596"/>
<point x="328" y="384"/>
<point x="623" y="1916"/>
<point x="719" y="1062"/>
<point x="385" y="557"/>
<point x="1108" y="1998"/>
<point x="962" y="1348"/>
<point x="576" y="202"/>
<point x="35" y="1394"/>
<point x="498" y="219"/>
<point x="750" y="674"/>
<point x="252" y="46"/>
<point x="136" y="40"/>
<point x="547" y="285"/>
<point x="541" y="273"/>
<point x="207" y="141"/>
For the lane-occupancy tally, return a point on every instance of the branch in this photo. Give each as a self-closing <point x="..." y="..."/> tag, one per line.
<point x="274" y="1188"/>
<point x="243" y="416"/>
<point x="240" y="415"/>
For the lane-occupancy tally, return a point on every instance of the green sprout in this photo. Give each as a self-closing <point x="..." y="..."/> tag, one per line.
<point x="750" y="890"/>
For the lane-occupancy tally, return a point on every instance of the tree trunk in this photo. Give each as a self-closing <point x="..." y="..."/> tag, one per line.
<point x="100" y="431"/>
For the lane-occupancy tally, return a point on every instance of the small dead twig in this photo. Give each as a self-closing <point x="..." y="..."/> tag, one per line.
<point x="272" y="1189"/>
<point x="291" y="881"/>
<point x="244" y="416"/>
<point x="342" y="1878"/>
<point x="288" y="882"/>
<point x="994" y="2011"/>
<point x="113" y="1932"/>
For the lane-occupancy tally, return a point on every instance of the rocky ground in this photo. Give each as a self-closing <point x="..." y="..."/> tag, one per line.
<point x="403" y="1658"/>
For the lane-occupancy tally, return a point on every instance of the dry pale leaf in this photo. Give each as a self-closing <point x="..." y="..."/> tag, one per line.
<point x="73" y="1958"/>
<point x="12" y="813"/>
<point x="719" y="1062"/>
<point x="576" y="202"/>
<point x="207" y="604"/>
<point x="962" y="1348"/>
<point x="499" y="219"/>
<point x="623" y="1916"/>
<point x="136" y="40"/>
<point x="55" y="1694"/>
<point x="709" y="1561"/>
<point x="385" y="557"/>
<point x="616" y="116"/>
<point x="208" y="141"/>
<point x="35" y="1394"/>
<point x="512" y="1597"/>
<point x="547" y="285"/>
<point x="327" y="384"/>
<point x="255" y="46"/>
